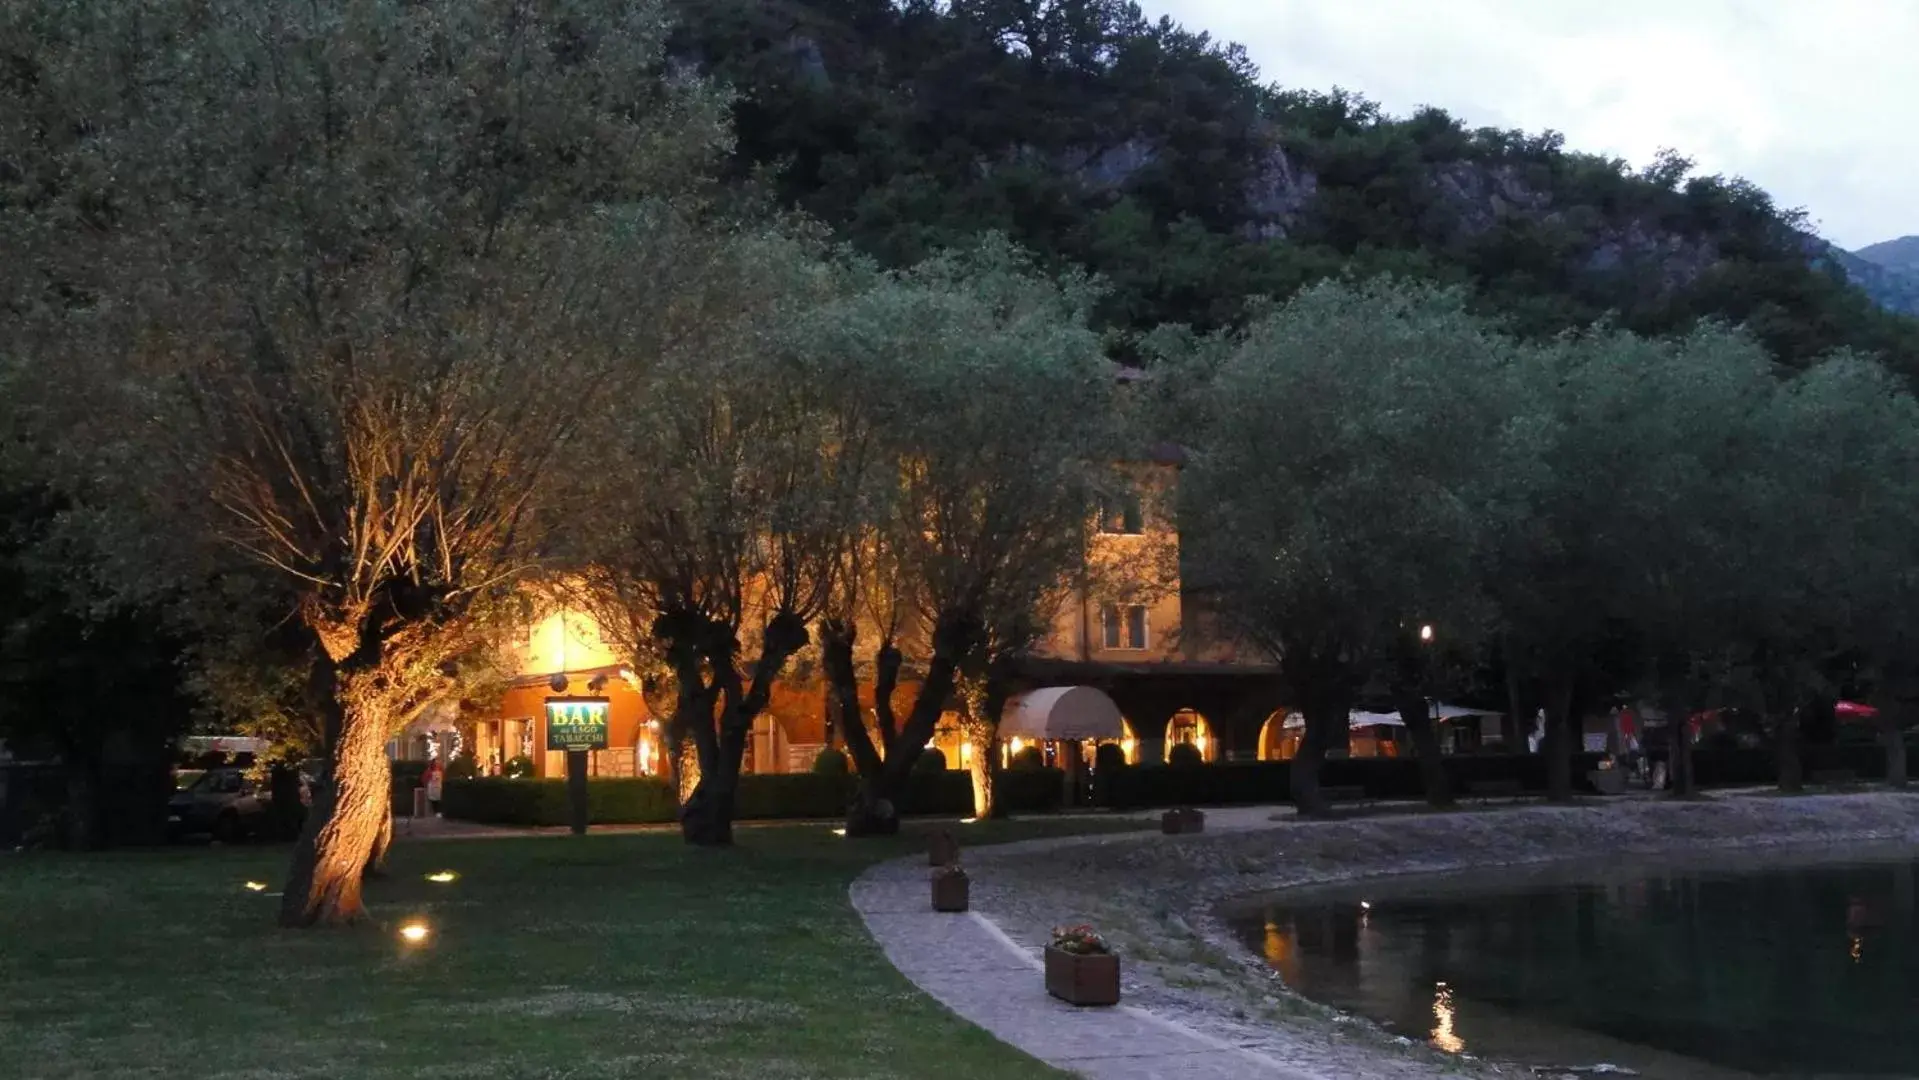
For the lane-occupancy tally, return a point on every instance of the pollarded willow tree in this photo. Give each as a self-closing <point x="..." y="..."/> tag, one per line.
<point x="1845" y="571"/>
<point x="725" y="493"/>
<point x="1343" y="450"/>
<point x="989" y="414"/>
<point x="1645" y="552"/>
<point x="328" y="280"/>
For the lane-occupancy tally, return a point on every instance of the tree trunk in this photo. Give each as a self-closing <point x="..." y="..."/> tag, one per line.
<point x="1319" y="680"/>
<point x="1895" y="744"/>
<point x="1558" y="743"/>
<point x="985" y="773"/>
<point x="383" y="840"/>
<point x="686" y="769"/>
<point x="1432" y="768"/>
<point x="1792" y="764"/>
<point x="1679" y="738"/>
<point x="1511" y="726"/>
<point x="1305" y="772"/>
<point x="323" y="884"/>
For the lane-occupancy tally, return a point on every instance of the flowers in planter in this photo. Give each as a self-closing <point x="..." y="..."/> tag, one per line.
<point x="1080" y="941"/>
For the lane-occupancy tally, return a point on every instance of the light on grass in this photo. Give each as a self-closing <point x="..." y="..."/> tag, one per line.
<point x="414" y="932"/>
<point x="443" y="877"/>
<point x="256" y="886"/>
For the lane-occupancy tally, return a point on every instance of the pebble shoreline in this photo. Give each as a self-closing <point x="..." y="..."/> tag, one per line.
<point x="1158" y="898"/>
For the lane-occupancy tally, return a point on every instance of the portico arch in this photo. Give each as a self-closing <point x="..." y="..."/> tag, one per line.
<point x="1190" y="727"/>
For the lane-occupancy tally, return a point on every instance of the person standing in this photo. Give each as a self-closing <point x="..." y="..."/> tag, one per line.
<point x="435" y="774"/>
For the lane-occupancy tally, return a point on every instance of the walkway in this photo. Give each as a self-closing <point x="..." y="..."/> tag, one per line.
<point x="969" y="965"/>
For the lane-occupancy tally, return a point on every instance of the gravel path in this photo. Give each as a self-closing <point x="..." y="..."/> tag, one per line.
<point x="1158" y="898"/>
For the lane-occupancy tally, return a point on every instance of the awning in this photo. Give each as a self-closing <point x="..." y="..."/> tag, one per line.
<point x="1354" y="719"/>
<point x="223" y="744"/>
<point x="441" y="715"/>
<point x="1454" y="712"/>
<point x="1062" y="712"/>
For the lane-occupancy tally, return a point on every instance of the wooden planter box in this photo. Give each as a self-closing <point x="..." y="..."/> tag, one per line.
<point x="1174" y="822"/>
<point x="942" y="850"/>
<point x="1082" y="980"/>
<point x="1607" y="781"/>
<point x="950" y="892"/>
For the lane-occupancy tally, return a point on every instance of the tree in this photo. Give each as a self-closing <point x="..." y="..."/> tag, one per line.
<point x="992" y="422"/>
<point x="330" y="280"/>
<point x="1700" y="561"/>
<point x="724" y="496"/>
<point x="97" y="683"/>
<point x="1343" y="448"/>
<point x="1848" y="435"/>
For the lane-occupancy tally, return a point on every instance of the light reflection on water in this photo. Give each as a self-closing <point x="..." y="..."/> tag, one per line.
<point x="1444" y="1037"/>
<point x="1786" y="971"/>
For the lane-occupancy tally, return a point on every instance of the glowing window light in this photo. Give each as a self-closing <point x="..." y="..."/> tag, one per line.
<point x="414" y="933"/>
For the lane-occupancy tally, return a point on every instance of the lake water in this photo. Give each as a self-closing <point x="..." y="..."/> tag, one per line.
<point x="1694" y="972"/>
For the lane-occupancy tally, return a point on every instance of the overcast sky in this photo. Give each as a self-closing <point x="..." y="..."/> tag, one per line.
<point x="1817" y="101"/>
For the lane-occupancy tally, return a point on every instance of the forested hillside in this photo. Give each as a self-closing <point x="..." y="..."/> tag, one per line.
<point x="1156" y="156"/>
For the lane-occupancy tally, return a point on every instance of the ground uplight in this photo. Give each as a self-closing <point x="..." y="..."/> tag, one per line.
<point x="443" y="877"/>
<point x="256" y="886"/>
<point x="839" y="832"/>
<point x="414" y="933"/>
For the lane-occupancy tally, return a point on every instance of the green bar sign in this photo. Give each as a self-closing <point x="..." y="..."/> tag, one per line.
<point x="576" y="723"/>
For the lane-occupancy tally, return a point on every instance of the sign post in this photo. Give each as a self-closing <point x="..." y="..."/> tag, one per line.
<point x="576" y="725"/>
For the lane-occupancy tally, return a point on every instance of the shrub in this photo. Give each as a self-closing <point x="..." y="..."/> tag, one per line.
<point x="1185" y="756"/>
<point x="773" y="796"/>
<point x="462" y="767"/>
<point x="518" y="768"/>
<point x="1108" y="756"/>
<point x="831" y="762"/>
<point x="1030" y="758"/>
<point x="930" y="760"/>
<point x="763" y="797"/>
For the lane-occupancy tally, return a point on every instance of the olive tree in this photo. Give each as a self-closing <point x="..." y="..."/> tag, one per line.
<point x="1343" y="449"/>
<point x="329" y="280"/>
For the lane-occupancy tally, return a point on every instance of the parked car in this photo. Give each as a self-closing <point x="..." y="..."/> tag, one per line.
<point x="221" y="802"/>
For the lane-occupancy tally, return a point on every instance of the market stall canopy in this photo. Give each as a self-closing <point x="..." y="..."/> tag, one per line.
<point x="1062" y="712"/>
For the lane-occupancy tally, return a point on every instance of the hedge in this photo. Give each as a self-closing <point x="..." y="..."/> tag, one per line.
<point x="1247" y="783"/>
<point x="762" y="797"/>
<point x="1760" y="765"/>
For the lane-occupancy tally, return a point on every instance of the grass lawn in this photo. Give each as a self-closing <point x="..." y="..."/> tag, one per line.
<point x="601" y="956"/>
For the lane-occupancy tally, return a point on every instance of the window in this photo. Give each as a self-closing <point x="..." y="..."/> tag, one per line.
<point x="1121" y="514"/>
<point x="1124" y="625"/>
